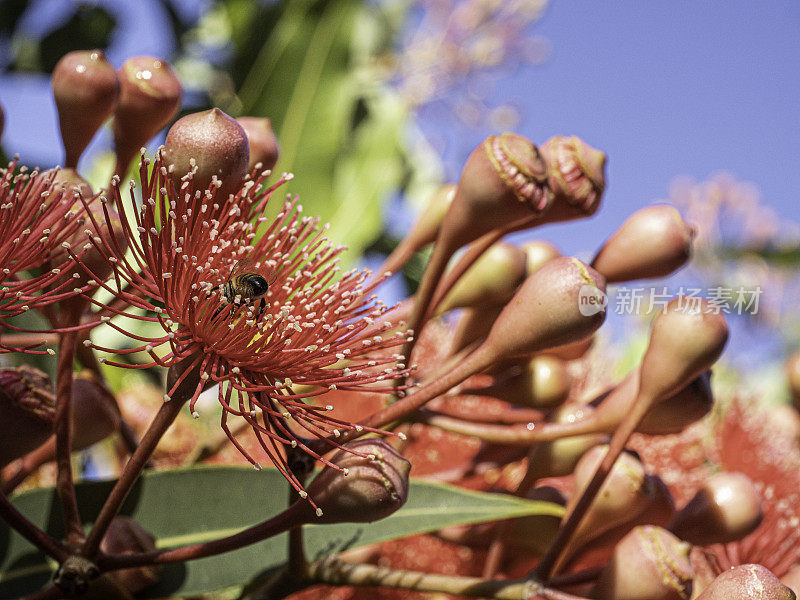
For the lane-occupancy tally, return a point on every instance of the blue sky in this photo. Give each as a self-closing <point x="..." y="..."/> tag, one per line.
<point x="666" y="89"/>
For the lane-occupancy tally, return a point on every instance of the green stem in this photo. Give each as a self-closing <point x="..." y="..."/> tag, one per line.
<point x="337" y="572"/>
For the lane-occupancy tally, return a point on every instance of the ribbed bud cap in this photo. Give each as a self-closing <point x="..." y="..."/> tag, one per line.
<point x="649" y="563"/>
<point x="652" y="242"/>
<point x="27" y="411"/>
<point x="85" y="88"/>
<point x="263" y="144"/>
<point x="575" y="172"/>
<point x="747" y="582"/>
<point x="373" y="486"/>
<point x="503" y="181"/>
<point x="209" y="144"/>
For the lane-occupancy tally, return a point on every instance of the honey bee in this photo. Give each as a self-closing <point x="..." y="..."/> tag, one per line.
<point x="246" y="285"/>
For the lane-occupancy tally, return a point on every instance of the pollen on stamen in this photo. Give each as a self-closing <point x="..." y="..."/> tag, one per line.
<point x="195" y="415"/>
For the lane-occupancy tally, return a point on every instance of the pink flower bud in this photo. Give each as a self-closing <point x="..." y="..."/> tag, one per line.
<point x="687" y="337"/>
<point x="559" y="457"/>
<point x="549" y="309"/>
<point x="747" y="582"/>
<point x="491" y="281"/>
<point x="792" y="579"/>
<point x="725" y="509"/>
<point x="575" y="173"/>
<point x="474" y="325"/>
<point x="373" y="483"/>
<point x="648" y="564"/>
<point x="261" y="141"/>
<point x="537" y="253"/>
<point x="626" y="493"/>
<point x="212" y="143"/>
<point x="94" y="411"/>
<point x="671" y="415"/>
<point x="27" y="411"/>
<point x="85" y="87"/>
<point x="504" y="180"/>
<point x="542" y="382"/>
<point x="652" y="242"/>
<point x="150" y="96"/>
<point x="126" y="536"/>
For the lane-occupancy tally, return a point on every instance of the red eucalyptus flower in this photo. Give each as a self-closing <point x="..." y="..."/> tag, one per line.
<point x="316" y="331"/>
<point x="744" y="442"/>
<point x="39" y="221"/>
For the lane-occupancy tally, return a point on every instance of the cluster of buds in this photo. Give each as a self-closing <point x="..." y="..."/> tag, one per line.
<point x="257" y="308"/>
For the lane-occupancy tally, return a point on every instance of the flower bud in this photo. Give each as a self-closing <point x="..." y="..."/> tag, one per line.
<point x="685" y="340"/>
<point x="625" y="494"/>
<point x="94" y="411"/>
<point x="27" y="411"/>
<point x="792" y="579"/>
<point x="648" y="564"/>
<point x="85" y="87"/>
<point x="73" y="182"/>
<point x="538" y="252"/>
<point x="575" y="174"/>
<point x="671" y="415"/>
<point x="548" y="310"/>
<point x="559" y="457"/>
<point x="793" y="377"/>
<point x="504" y="180"/>
<point x="747" y="582"/>
<point x="652" y="242"/>
<point x="211" y="144"/>
<point x="126" y="536"/>
<point x="725" y="509"/>
<point x="261" y="141"/>
<point x="150" y="96"/>
<point x="572" y="351"/>
<point x="491" y="281"/>
<point x="372" y="487"/>
<point x="543" y="382"/>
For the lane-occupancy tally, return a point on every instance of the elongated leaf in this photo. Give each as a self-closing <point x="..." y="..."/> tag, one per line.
<point x="193" y="505"/>
<point x="341" y="131"/>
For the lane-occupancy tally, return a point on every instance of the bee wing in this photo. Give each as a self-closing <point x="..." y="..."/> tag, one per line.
<point x="251" y="264"/>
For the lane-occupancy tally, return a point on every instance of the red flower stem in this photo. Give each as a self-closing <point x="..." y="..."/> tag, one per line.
<point x="63" y="430"/>
<point x="28" y="464"/>
<point x="399" y="257"/>
<point x="505" y="434"/>
<point x="20" y="523"/>
<point x="161" y="422"/>
<point x="296" y="514"/>
<point x="296" y="552"/>
<point x="26" y="339"/>
<point x="616" y="446"/>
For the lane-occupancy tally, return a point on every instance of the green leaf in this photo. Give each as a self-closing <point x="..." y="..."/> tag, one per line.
<point x="340" y="129"/>
<point x="202" y="503"/>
